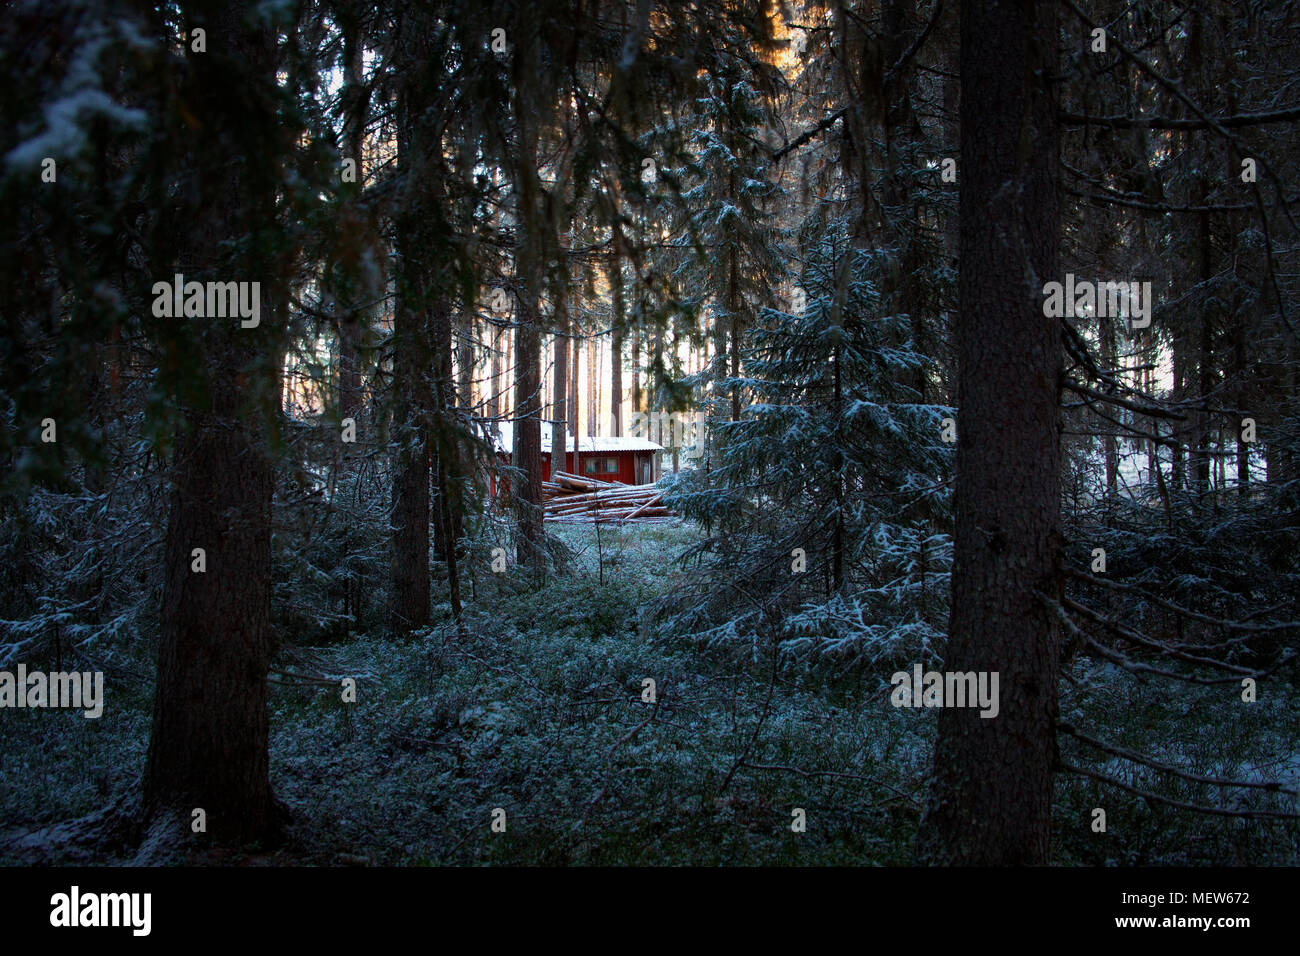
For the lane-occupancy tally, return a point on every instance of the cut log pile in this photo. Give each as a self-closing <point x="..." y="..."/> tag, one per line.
<point x="573" y="498"/>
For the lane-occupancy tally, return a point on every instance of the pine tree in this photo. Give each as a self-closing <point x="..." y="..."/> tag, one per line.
<point x="729" y="240"/>
<point x="836" y="471"/>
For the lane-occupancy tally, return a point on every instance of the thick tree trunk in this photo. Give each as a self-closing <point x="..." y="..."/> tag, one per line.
<point x="412" y="360"/>
<point x="209" y="744"/>
<point x="208" y="747"/>
<point x="991" y="795"/>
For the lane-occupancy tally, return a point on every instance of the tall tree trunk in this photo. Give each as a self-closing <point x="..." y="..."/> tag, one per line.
<point x="1181" y="376"/>
<point x="350" y="314"/>
<point x="951" y="219"/>
<point x="349" y="332"/>
<point x="636" y="370"/>
<point x="1153" y="447"/>
<point x="446" y="448"/>
<point x="906" y="233"/>
<point x="593" y="372"/>
<point x="560" y="397"/>
<point x="412" y="358"/>
<point x="1110" y="451"/>
<point x="498" y="347"/>
<point x="657" y="365"/>
<point x="1197" y="250"/>
<point x="991" y="795"/>
<point x="208" y="746"/>
<point x="530" y="266"/>
<point x="600" y="380"/>
<point x="837" y="465"/>
<point x="1205" y="363"/>
<point x="733" y="306"/>
<point x="616" y="344"/>
<point x="1239" y="370"/>
<point x="528" y="431"/>
<point x="410" y="509"/>
<point x="575" y="402"/>
<point x="465" y="361"/>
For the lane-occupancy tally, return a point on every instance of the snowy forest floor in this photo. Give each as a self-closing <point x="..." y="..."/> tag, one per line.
<point x="536" y="708"/>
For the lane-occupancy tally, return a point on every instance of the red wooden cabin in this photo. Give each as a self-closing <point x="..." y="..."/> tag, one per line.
<point x="626" y="460"/>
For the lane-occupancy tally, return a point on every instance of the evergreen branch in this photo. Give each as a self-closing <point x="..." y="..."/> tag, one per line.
<point x="1180" y="804"/>
<point x="1116" y="751"/>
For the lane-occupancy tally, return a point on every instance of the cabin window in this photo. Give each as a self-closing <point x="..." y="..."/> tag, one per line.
<point x="600" y="466"/>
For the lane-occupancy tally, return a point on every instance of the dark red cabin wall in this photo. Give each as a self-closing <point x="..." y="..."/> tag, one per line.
<point x="626" y="466"/>
<point x="626" y="469"/>
<point x="626" y="473"/>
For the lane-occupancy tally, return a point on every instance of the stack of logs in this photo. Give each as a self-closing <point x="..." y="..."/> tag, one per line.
<point x="573" y="498"/>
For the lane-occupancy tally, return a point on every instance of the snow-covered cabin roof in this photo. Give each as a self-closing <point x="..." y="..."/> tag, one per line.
<point x="586" y="444"/>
